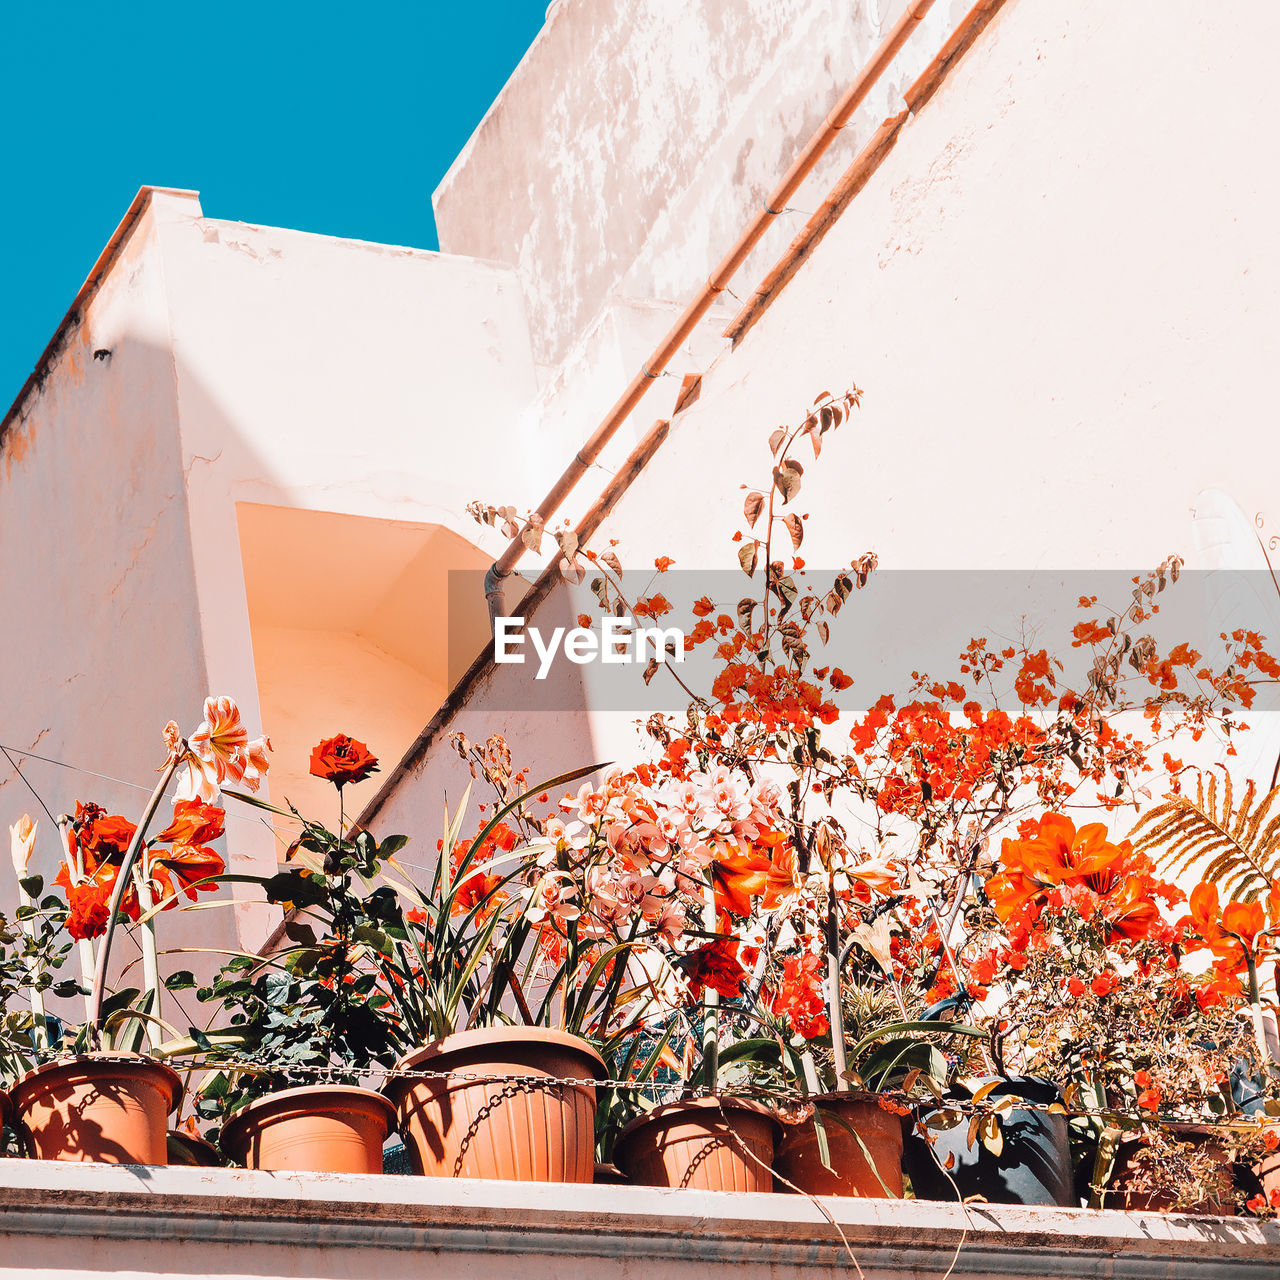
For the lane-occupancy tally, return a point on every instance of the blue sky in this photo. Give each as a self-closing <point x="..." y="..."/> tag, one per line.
<point x="327" y="117"/>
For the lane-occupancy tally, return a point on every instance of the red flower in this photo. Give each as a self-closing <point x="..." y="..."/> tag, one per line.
<point x="1075" y="986"/>
<point x="1149" y="1099"/>
<point x="90" y="901"/>
<point x="716" y="966"/>
<point x="194" y="822"/>
<point x="739" y="876"/>
<point x="341" y="760"/>
<point x="799" y="996"/>
<point x="102" y="837"/>
<point x="190" y="860"/>
<point x="1104" y="983"/>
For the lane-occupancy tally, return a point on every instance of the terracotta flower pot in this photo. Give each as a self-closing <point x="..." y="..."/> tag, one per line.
<point x="799" y="1156"/>
<point x="1268" y="1169"/>
<point x="188" y="1149"/>
<point x="609" y="1175"/>
<point x="328" y="1128"/>
<point x="707" y="1144"/>
<point x="109" y="1107"/>
<point x="472" y="1123"/>
<point x="1219" y="1200"/>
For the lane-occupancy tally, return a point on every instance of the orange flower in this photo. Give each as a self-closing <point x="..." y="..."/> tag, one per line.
<point x="738" y="877"/>
<point x="102" y="838"/>
<point x="1083" y="865"/>
<point x="782" y="879"/>
<point x="799" y="998"/>
<point x="1230" y="932"/>
<point x="90" y="899"/>
<point x="189" y="860"/>
<point x="194" y="822"/>
<point x="341" y="760"/>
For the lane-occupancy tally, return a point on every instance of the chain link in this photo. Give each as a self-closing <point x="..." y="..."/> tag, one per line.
<point x="674" y="1089"/>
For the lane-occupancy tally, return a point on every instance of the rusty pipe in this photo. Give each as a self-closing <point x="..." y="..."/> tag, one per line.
<point x="801" y="167"/>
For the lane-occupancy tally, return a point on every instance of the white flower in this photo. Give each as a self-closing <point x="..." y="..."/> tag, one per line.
<point x="22" y="842"/>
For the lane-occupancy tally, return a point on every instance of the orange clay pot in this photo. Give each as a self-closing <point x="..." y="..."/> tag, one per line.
<point x="188" y="1149"/>
<point x="328" y="1128"/>
<point x="464" y="1127"/>
<point x="1268" y="1168"/>
<point x="707" y="1144"/>
<point x="111" y="1108"/>
<point x="1219" y="1203"/>
<point x="799" y="1157"/>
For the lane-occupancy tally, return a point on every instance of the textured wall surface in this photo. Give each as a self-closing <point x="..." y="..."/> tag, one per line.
<point x="637" y="136"/>
<point x="1061" y="296"/>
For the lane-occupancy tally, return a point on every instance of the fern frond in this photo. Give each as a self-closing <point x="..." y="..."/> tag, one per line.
<point x="1238" y="845"/>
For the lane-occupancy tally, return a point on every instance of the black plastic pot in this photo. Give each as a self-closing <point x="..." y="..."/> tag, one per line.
<point x="1033" y="1168"/>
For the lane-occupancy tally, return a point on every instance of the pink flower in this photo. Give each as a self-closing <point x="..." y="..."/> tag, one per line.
<point x="220" y="752"/>
<point x="590" y="803"/>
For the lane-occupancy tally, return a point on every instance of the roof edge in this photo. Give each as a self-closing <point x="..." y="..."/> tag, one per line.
<point x="119" y="237"/>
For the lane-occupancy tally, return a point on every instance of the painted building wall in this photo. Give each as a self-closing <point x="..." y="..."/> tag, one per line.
<point x="635" y="139"/>
<point x="1061" y="296"/>
<point x="257" y="488"/>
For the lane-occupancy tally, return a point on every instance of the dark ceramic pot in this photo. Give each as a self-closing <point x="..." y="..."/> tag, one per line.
<point x="1033" y="1168"/>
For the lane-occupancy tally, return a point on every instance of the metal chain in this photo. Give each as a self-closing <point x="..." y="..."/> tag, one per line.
<point x="330" y="1074"/>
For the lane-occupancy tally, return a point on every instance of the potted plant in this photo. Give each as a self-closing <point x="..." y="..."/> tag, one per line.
<point x="105" y="1099"/>
<point x="480" y="1094"/>
<point x="305" y="1024"/>
<point x="379" y="977"/>
<point x="1099" y="1007"/>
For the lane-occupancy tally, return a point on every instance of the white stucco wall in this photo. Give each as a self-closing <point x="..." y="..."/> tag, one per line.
<point x="99" y="626"/>
<point x="635" y="139"/>
<point x="1061" y="296"/>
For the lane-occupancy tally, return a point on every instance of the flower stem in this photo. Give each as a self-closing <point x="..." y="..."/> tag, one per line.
<point x="117" y="897"/>
<point x="710" y="1004"/>
<point x="150" y="957"/>
<point x="84" y="947"/>
<point x="39" y="1024"/>
<point x="834" y="1006"/>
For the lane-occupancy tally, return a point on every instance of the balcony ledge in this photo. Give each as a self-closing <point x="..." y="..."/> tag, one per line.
<point x="80" y="1218"/>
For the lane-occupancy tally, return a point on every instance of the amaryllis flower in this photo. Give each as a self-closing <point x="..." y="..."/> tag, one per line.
<point x="1056" y="856"/>
<point x="183" y="867"/>
<point x="189" y="860"/>
<point x="220" y="751"/>
<point x="1230" y="932"/>
<point x="341" y="760"/>
<point x="102" y="838"/>
<point x="738" y="876"/>
<point x="89" y="899"/>
<point x="715" y="965"/>
<point x="875" y="873"/>
<point x="194" y="822"/>
<point x="22" y="842"/>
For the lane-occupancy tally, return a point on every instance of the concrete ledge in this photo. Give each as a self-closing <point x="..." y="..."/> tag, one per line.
<point x="59" y="1219"/>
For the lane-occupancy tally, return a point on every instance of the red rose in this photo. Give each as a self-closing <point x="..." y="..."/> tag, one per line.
<point x="1075" y="986"/>
<point x="1104" y="983"/>
<point x="341" y="760"/>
